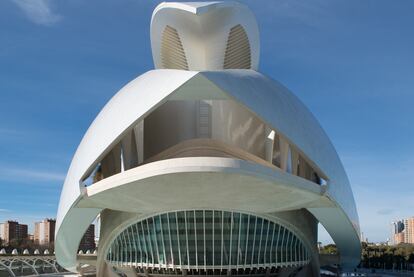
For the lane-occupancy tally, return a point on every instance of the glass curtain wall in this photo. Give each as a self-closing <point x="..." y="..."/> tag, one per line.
<point x="207" y="239"/>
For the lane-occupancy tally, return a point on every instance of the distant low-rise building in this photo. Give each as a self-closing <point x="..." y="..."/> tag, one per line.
<point x="44" y="232"/>
<point x="12" y="230"/>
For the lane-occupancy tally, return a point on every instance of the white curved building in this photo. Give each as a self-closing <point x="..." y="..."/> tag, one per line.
<point x="204" y="165"/>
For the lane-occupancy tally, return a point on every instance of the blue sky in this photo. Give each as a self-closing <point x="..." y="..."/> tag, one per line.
<point x="351" y="63"/>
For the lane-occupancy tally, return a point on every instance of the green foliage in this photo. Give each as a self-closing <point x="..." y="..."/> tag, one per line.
<point x="397" y="257"/>
<point x="329" y="249"/>
<point x="387" y="257"/>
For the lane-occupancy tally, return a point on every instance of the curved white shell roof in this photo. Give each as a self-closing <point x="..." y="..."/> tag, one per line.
<point x="272" y="102"/>
<point x="203" y="29"/>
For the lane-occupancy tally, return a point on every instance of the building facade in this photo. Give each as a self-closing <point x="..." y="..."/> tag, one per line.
<point x="409" y="230"/>
<point x="88" y="240"/>
<point x="44" y="232"/>
<point x="204" y="165"/>
<point x="402" y="231"/>
<point x="398" y="238"/>
<point x="12" y="230"/>
<point x="397" y="226"/>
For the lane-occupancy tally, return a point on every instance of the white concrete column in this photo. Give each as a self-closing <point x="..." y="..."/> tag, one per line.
<point x="139" y="140"/>
<point x="129" y="151"/>
<point x="269" y="142"/>
<point x="284" y="153"/>
<point x="295" y="161"/>
<point x="111" y="163"/>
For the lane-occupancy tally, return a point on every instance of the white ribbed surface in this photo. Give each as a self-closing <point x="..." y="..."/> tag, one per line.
<point x="238" y="49"/>
<point x="172" y="52"/>
<point x="207" y="239"/>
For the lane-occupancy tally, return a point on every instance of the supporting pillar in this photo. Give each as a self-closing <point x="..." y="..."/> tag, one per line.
<point x="284" y="153"/>
<point x="139" y="139"/>
<point x="269" y="142"/>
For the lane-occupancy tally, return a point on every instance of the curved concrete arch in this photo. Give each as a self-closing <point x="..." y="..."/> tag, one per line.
<point x="26" y="263"/>
<point x="31" y="266"/>
<point x="8" y="269"/>
<point x="138" y="184"/>
<point x="274" y="221"/>
<point x="265" y="97"/>
<point x="53" y="265"/>
<point x="283" y="111"/>
<point x="13" y="260"/>
<point x="30" y="261"/>
<point x="131" y="221"/>
<point x="40" y="265"/>
<point x="92" y="149"/>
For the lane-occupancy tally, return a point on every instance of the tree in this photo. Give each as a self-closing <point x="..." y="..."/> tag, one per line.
<point x="329" y="249"/>
<point x="15" y="243"/>
<point x="387" y="257"/>
<point x="26" y="244"/>
<point x="411" y="258"/>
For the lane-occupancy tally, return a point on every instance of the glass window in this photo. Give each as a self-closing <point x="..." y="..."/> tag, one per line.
<point x="257" y="240"/>
<point x="175" y="242"/>
<point x="148" y="239"/>
<point x="159" y="240"/>
<point x="198" y="239"/>
<point x="227" y="222"/>
<point x="243" y="238"/>
<point x="265" y="231"/>
<point x="199" y="218"/>
<point x="191" y="233"/>
<point x="209" y="231"/>
<point x="235" y="238"/>
<point x="250" y="240"/>
<point x="217" y="238"/>
<point x="166" y="239"/>
<point x="182" y="236"/>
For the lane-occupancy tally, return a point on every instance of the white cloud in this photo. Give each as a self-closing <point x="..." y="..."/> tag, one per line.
<point x="20" y="174"/>
<point x="38" y="11"/>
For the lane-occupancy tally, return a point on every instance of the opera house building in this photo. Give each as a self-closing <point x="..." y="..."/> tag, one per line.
<point x="205" y="166"/>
